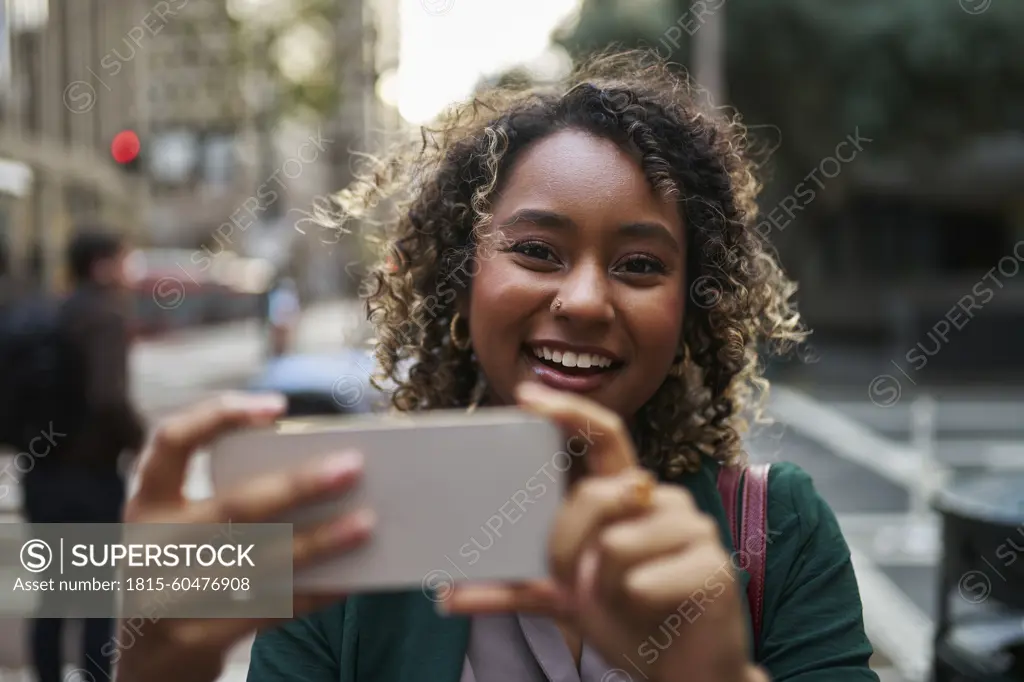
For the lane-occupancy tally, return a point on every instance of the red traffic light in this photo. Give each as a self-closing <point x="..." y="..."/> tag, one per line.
<point x="125" y="146"/>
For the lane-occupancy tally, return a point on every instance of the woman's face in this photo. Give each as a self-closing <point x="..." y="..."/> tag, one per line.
<point x="585" y="286"/>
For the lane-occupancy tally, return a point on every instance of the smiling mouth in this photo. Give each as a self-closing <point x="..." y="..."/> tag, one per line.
<point x="571" y="363"/>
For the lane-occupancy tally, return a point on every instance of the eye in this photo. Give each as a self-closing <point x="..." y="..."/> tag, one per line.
<point x="534" y="250"/>
<point x="641" y="264"/>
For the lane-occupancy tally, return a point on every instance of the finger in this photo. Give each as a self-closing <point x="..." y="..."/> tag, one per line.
<point x="273" y="494"/>
<point x="165" y="462"/>
<point x="541" y="597"/>
<point x="631" y="543"/>
<point x="608" y="446"/>
<point x="702" y="576"/>
<point x="593" y="504"/>
<point x="332" y="537"/>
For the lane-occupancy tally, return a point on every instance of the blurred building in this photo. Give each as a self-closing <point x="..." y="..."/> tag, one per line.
<point x="924" y="251"/>
<point x="68" y="86"/>
<point x="194" y="116"/>
<point x="365" y="49"/>
<point x="214" y="133"/>
<point x="367" y="52"/>
<point x="231" y="165"/>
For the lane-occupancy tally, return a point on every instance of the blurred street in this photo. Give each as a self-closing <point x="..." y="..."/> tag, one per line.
<point x="177" y="371"/>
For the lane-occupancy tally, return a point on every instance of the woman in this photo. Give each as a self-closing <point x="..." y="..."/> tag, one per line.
<point x="587" y="252"/>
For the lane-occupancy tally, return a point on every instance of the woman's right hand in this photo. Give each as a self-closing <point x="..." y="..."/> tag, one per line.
<point x="193" y="650"/>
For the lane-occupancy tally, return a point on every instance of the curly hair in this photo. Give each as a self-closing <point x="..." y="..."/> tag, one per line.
<point x="436" y="193"/>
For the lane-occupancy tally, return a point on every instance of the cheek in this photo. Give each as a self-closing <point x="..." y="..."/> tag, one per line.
<point x="656" y="321"/>
<point x="502" y="298"/>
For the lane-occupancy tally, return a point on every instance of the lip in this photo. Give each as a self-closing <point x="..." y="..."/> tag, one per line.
<point x="561" y="381"/>
<point x="563" y="346"/>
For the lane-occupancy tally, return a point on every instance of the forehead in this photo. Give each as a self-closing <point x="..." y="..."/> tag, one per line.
<point x="575" y="172"/>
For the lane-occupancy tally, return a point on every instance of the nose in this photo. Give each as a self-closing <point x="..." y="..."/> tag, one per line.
<point x="585" y="295"/>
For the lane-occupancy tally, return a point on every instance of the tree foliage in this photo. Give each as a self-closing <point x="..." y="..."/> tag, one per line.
<point x="256" y="45"/>
<point x="919" y="77"/>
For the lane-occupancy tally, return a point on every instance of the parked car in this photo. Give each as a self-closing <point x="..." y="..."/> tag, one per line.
<point x="170" y="293"/>
<point x="323" y="384"/>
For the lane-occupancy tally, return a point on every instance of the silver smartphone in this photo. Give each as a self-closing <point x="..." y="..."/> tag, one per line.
<point x="458" y="497"/>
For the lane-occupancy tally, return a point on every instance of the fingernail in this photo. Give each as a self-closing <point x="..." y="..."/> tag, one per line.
<point x="341" y="466"/>
<point x="358" y="523"/>
<point x="266" y="401"/>
<point x="350" y="529"/>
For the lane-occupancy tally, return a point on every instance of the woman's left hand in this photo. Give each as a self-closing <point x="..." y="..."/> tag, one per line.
<point x="638" y="571"/>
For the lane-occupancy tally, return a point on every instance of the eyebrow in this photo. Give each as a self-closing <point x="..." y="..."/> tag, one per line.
<point x="542" y="218"/>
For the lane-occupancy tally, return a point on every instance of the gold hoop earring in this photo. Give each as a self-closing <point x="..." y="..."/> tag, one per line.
<point x="460" y="343"/>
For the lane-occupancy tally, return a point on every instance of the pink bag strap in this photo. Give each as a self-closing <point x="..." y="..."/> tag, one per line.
<point x="750" y="537"/>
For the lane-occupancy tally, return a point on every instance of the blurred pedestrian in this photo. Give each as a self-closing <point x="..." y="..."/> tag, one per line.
<point x="75" y="478"/>
<point x="283" y="313"/>
<point x="7" y="288"/>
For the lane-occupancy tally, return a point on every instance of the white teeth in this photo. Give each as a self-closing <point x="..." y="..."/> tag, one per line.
<point x="570" y="359"/>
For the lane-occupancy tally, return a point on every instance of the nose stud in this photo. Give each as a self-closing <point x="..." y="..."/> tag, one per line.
<point x="555" y="305"/>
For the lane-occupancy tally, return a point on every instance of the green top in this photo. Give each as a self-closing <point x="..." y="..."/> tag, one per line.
<point x="812" y="631"/>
